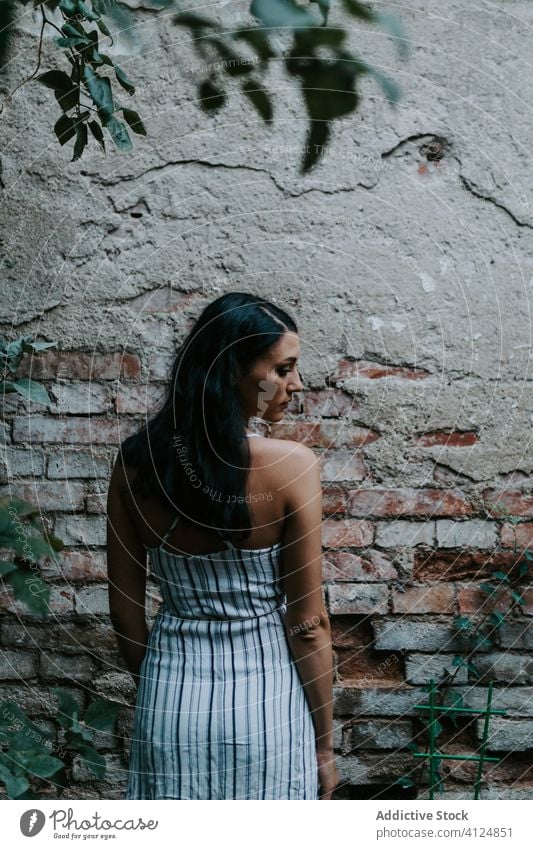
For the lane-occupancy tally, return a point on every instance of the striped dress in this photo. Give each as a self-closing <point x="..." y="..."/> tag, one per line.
<point x="221" y="712"/>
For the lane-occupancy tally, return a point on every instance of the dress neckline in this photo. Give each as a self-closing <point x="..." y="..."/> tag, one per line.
<point x="188" y="555"/>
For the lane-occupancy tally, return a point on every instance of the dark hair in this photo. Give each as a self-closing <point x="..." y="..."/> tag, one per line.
<point x="200" y="425"/>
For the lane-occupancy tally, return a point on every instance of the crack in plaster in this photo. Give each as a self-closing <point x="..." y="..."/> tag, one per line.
<point x="167" y="165"/>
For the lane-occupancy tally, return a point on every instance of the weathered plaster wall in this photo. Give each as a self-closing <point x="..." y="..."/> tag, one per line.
<point x="384" y="258"/>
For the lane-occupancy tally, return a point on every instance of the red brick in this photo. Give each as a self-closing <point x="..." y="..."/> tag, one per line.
<point x="324" y="434"/>
<point x="138" y="399"/>
<point x="61" y="601"/>
<point x="428" y="598"/>
<point x="329" y="403"/>
<point x="78" y="566"/>
<point x="346" y="532"/>
<point x="471" y="599"/>
<point x="81" y="365"/>
<point x="48" y="495"/>
<point x="346" y="566"/>
<point x="338" y="465"/>
<point x="447" y="565"/>
<point x="524" y="535"/>
<point x="333" y="499"/>
<point x="350" y="367"/>
<point x="355" y="658"/>
<point x="513" y="502"/>
<point x="74" y="429"/>
<point x="408" y="502"/>
<point x="453" y="438"/>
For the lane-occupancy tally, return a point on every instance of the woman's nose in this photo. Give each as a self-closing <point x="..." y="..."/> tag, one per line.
<point x="296" y="385"/>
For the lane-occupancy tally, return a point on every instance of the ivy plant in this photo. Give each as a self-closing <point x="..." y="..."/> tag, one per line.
<point x="502" y="601"/>
<point x="22" y="531"/>
<point x="317" y="59"/>
<point x="30" y="758"/>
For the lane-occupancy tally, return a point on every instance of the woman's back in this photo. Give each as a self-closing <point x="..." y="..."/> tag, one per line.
<point x="221" y="713"/>
<point x="273" y="466"/>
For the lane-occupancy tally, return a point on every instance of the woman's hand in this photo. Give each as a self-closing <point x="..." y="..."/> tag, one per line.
<point x="328" y="777"/>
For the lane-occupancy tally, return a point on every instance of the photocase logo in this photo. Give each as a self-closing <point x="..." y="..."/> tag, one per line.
<point x="31" y="822"/>
<point x="268" y="390"/>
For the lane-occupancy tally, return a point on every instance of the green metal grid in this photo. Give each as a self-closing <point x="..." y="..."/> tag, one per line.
<point x="435" y="754"/>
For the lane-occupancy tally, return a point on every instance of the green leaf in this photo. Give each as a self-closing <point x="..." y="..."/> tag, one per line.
<point x="45" y="765"/>
<point x="68" y="6"/>
<point x="395" y="28"/>
<point x="474" y="670"/>
<point x="517" y="597"/>
<point x="32" y="389"/>
<point x="81" y="140"/>
<point x="9" y="711"/>
<point x="15" y="784"/>
<point x="211" y="97"/>
<point x="38" y="346"/>
<point x="463" y="623"/>
<point x="124" y="81"/>
<point x="68" y="99"/>
<point x="482" y="641"/>
<point x="134" y="121"/>
<point x="324" y="8"/>
<point x="97" y="132"/>
<point x="103" y="28"/>
<point x="100" y="91"/>
<point x="101" y="714"/>
<point x="6" y="567"/>
<point x="119" y="133"/>
<point x="56" y="80"/>
<point x="259" y="98"/>
<point x="67" y="707"/>
<point x="528" y="554"/>
<point x="523" y="569"/>
<point x="125" y="20"/>
<point x="488" y="588"/>
<point x="501" y="576"/>
<point x="496" y="618"/>
<point x="359" y="10"/>
<point x="75" y="30"/>
<point x="390" y="89"/>
<point x="106" y="60"/>
<point x="281" y="14"/>
<point x="458" y="660"/>
<point x="89" y="14"/>
<point x="94" y="761"/>
<point x="30" y="589"/>
<point x="72" y="41"/>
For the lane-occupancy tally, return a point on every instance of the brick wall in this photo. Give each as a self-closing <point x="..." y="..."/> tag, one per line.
<point x="400" y="563"/>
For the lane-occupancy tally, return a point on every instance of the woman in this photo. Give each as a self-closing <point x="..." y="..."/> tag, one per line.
<point x="235" y="678"/>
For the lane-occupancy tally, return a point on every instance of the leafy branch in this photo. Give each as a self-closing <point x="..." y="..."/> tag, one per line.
<point x="328" y="82"/>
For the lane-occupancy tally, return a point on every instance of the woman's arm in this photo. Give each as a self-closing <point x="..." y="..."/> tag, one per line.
<point x="306" y="619"/>
<point x="126" y="568"/>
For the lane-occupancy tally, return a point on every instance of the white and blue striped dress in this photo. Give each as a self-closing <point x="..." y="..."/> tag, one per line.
<point x="221" y="712"/>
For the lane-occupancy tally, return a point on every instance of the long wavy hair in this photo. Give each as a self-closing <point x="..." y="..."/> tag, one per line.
<point x="192" y="453"/>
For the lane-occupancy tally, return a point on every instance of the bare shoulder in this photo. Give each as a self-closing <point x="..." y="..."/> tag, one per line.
<point x="288" y="457"/>
<point x="122" y="480"/>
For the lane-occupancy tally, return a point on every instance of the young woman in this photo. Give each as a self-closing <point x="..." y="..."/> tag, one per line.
<point x="235" y="678"/>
